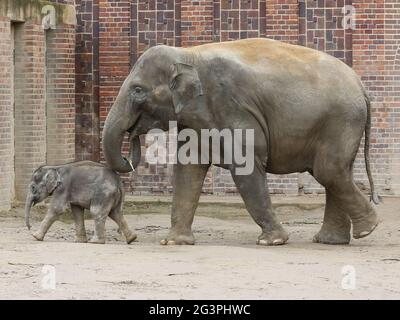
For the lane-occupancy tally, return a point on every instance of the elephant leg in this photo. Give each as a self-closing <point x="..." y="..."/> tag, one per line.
<point x="254" y="191"/>
<point x="51" y="216"/>
<point x="100" y="213"/>
<point x="337" y="224"/>
<point x="119" y="219"/>
<point x="345" y="204"/>
<point x="99" y="231"/>
<point x="188" y="181"/>
<point x="349" y="197"/>
<point x="80" y="231"/>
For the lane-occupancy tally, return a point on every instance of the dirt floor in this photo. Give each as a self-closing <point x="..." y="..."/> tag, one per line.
<point x="225" y="263"/>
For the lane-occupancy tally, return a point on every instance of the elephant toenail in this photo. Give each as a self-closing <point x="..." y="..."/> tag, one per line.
<point x="163" y="242"/>
<point x="263" y="242"/>
<point x="278" y="241"/>
<point x="364" y="233"/>
<point x="171" y="242"/>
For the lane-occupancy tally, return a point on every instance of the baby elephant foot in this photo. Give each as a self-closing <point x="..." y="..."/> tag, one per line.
<point x="273" y="238"/>
<point x="130" y="238"/>
<point x="327" y="236"/>
<point x="38" y="236"/>
<point x="97" y="240"/>
<point x="81" y="239"/>
<point x="364" y="226"/>
<point x="178" y="239"/>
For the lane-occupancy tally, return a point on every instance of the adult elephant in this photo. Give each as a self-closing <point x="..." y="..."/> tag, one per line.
<point x="308" y="111"/>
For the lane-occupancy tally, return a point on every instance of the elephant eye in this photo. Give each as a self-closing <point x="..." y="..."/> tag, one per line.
<point x="138" y="94"/>
<point x="138" y="90"/>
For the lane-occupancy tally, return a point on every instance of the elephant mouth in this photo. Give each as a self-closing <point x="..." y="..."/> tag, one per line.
<point x="132" y="128"/>
<point x="134" y="147"/>
<point x="35" y="201"/>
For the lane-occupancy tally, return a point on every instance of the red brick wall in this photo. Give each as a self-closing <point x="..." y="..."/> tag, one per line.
<point x="369" y="62"/>
<point x="87" y="80"/>
<point x="392" y="98"/>
<point x="282" y="20"/>
<point x="127" y="28"/>
<point x="114" y="50"/>
<point x="60" y="95"/>
<point x="6" y="116"/>
<point x="197" y="22"/>
<point x="71" y="2"/>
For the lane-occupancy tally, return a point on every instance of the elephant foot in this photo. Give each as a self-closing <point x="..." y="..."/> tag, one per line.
<point x="273" y="238"/>
<point x="332" y="236"/>
<point x="178" y="239"/>
<point x="81" y="239"/>
<point x="38" y="236"/>
<point x="364" y="226"/>
<point x="130" y="238"/>
<point x="97" y="240"/>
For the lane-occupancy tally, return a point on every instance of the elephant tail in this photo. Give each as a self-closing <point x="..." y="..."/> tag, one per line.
<point x="374" y="196"/>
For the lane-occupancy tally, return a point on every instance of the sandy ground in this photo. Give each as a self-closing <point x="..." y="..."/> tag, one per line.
<point x="224" y="264"/>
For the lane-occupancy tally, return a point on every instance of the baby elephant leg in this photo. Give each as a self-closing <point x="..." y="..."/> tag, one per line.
<point x="51" y="216"/>
<point x="100" y="213"/>
<point x="80" y="232"/>
<point x="99" y="231"/>
<point x="119" y="219"/>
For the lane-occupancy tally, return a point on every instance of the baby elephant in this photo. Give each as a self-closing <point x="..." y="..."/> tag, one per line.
<point x="80" y="185"/>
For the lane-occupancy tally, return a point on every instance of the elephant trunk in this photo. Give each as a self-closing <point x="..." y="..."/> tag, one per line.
<point x="115" y="127"/>
<point x="28" y="204"/>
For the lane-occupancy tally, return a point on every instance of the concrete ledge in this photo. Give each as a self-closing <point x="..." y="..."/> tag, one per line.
<point x="229" y="200"/>
<point x="24" y="10"/>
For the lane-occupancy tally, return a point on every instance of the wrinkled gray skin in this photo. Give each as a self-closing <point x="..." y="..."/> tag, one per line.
<point x="78" y="185"/>
<point x="308" y="111"/>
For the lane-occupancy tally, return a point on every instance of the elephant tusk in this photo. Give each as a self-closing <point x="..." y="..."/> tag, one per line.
<point x="130" y="163"/>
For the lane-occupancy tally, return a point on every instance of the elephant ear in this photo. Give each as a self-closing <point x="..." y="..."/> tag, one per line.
<point x="185" y="85"/>
<point x="52" y="180"/>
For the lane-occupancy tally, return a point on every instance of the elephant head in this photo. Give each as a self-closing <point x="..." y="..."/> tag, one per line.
<point x="43" y="183"/>
<point x="162" y="82"/>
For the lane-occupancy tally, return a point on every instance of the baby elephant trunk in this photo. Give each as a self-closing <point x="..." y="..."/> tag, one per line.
<point x="28" y="205"/>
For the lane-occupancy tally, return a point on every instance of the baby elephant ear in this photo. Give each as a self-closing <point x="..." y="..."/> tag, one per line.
<point x="185" y="85"/>
<point x="52" y="179"/>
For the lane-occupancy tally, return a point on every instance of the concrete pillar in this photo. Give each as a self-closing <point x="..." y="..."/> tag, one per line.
<point x="30" y="110"/>
<point x="6" y="115"/>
